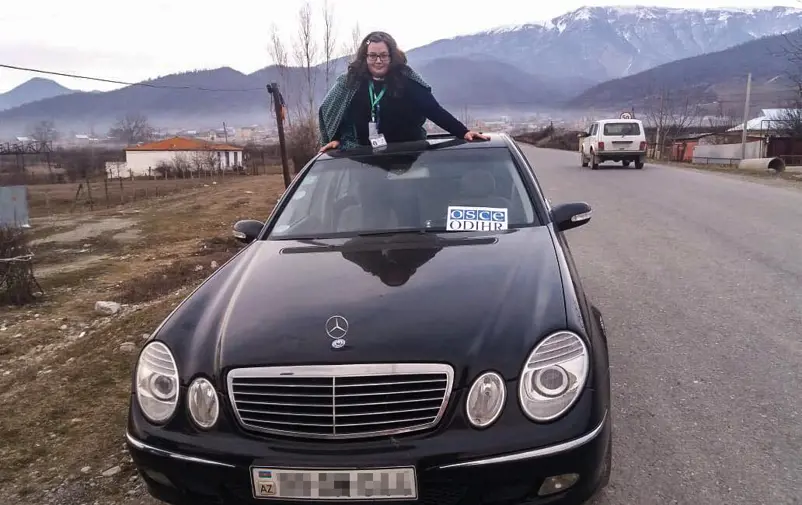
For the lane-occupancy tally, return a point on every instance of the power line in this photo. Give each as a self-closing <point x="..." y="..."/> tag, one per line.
<point x="114" y="81"/>
<point x="722" y="99"/>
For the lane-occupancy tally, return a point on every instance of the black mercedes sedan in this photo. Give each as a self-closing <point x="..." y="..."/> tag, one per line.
<point x="407" y="326"/>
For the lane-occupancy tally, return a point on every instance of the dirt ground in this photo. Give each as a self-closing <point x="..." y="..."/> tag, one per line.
<point x="65" y="368"/>
<point x="50" y="199"/>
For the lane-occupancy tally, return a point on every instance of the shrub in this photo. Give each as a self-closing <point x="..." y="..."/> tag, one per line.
<point x="302" y="142"/>
<point x="17" y="282"/>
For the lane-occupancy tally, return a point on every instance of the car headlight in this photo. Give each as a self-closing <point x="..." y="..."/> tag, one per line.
<point x="157" y="382"/>
<point x="553" y="376"/>
<point x="485" y="400"/>
<point x="202" y="403"/>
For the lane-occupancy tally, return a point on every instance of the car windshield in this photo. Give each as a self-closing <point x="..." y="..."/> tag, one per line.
<point x="432" y="191"/>
<point x="622" y="129"/>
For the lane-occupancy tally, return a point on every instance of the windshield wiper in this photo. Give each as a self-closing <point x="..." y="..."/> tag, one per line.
<point x="408" y="231"/>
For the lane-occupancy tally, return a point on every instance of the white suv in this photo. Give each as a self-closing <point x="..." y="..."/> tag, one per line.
<point x="613" y="140"/>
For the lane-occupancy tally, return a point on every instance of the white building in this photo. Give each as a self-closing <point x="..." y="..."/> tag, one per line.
<point x="769" y="121"/>
<point x="177" y="152"/>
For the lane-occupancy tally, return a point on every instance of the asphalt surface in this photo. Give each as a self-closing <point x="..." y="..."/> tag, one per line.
<point x="699" y="278"/>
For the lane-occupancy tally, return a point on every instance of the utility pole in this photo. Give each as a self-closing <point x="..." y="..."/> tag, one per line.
<point x="746" y="115"/>
<point x="225" y="131"/>
<point x="278" y="101"/>
<point x="658" y="147"/>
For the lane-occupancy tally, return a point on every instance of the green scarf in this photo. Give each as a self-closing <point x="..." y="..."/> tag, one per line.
<point x="336" y="103"/>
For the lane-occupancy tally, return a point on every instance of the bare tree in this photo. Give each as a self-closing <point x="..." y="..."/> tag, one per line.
<point x="329" y="41"/>
<point x="278" y="53"/>
<point x="793" y="53"/>
<point x="790" y="122"/>
<point x="204" y="162"/>
<point x="164" y="169"/>
<point x="132" y="129"/>
<point x="671" y="114"/>
<point x="684" y="114"/>
<point x="305" y="51"/>
<point x="44" y="131"/>
<point x="182" y="164"/>
<point x="351" y="47"/>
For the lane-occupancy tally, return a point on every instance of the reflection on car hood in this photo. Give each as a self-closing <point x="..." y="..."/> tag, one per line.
<point x="476" y="303"/>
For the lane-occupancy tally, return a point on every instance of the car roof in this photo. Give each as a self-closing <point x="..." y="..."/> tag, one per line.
<point x="619" y="120"/>
<point x="433" y="142"/>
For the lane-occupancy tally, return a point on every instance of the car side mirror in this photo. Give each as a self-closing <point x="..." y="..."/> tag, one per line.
<point x="583" y="135"/>
<point x="247" y="230"/>
<point x="570" y="215"/>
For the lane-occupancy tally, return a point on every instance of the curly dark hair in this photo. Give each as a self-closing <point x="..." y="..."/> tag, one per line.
<point x="358" y="69"/>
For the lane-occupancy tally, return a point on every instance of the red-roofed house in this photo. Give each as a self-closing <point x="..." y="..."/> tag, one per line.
<point x="142" y="160"/>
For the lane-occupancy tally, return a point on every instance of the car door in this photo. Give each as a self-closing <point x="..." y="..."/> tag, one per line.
<point x="591" y="139"/>
<point x="587" y="141"/>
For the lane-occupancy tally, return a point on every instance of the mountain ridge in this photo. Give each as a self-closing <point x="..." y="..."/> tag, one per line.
<point x="204" y="96"/>
<point x="32" y="90"/>
<point x="629" y="39"/>
<point x="710" y="79"/>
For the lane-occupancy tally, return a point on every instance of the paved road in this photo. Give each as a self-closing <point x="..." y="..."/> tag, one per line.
<point x="699" y="277"/>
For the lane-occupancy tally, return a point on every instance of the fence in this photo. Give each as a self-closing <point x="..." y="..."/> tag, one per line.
<point x="50" y="199"/>
<point x="74" y="165"/>
<point x="792" y="160"/>
<point x="725" y="154"/>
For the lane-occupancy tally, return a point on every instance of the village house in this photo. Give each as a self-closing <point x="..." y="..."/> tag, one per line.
<point x="768" y="135"/>
<point x="178" y="152"/>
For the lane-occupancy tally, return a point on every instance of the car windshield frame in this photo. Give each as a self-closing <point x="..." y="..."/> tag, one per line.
<point x="528" y="192"/>
<point x="627" y="122"/>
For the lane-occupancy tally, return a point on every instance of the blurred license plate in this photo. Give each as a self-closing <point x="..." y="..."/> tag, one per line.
<point x="373" y="484"/>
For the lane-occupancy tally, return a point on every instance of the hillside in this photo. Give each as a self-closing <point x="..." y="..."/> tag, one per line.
<point x="601" y="43"/>
<point x="709" y="78"/>
<point x="484" y="82"/>
<point x="228" y="95"/>
<point x="31" y="91"/>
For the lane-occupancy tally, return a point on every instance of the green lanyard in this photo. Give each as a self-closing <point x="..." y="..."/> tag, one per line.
<point x="374" y="100"/>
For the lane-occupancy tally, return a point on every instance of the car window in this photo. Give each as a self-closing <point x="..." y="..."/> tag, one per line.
<point x="437" y="190"/>
<point x="300" y="206"/>
<point x="624" y="128"/>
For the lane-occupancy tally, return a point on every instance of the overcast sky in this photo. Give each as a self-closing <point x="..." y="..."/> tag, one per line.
<point x="133" y="41"/>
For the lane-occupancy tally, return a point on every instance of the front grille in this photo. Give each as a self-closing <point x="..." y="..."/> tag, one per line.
<point x="340" y="401"/>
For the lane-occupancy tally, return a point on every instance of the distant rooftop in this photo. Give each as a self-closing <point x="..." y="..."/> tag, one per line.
<point x="768" y="119"/>
<point x="183" y="144"/>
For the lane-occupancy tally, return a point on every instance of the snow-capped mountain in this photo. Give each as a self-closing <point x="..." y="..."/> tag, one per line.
<point x="601" y="43"/>
<point x="714" y="80"/>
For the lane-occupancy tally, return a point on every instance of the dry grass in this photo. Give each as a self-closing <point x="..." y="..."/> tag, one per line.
<point x="64" y="377"/>
<point x="49" y="199"/>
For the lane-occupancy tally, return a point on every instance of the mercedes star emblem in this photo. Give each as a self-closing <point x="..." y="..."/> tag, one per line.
<point x="336" y="329"/>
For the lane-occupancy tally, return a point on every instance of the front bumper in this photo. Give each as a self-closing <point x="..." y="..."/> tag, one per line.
<point x="182" y="478"/>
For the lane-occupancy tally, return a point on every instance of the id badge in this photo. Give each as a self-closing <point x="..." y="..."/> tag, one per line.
<point x="378" y="141"/>
<point x="373" y="130"/>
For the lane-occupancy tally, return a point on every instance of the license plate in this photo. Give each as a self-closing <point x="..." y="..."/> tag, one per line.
<point x="345" y="484"/>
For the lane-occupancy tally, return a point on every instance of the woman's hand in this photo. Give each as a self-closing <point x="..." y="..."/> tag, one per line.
<point x="472" y="135"/>
<point x="334" y="144"/>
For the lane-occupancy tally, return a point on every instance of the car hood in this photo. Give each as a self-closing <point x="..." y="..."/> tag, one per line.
<point x="478" y="302"/>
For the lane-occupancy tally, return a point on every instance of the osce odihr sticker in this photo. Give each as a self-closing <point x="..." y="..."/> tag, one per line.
<point x="476" y="219"/>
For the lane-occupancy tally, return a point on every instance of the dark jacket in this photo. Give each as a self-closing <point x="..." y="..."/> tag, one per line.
<point x="399" y="116"/>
